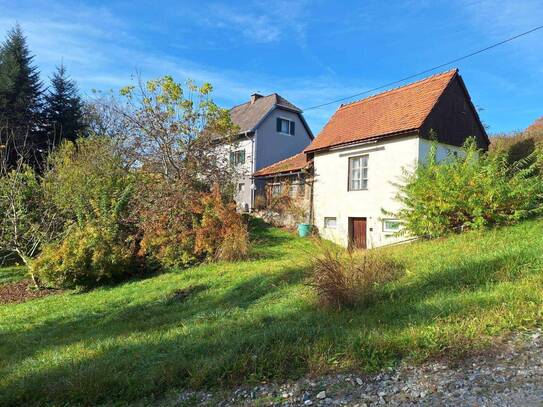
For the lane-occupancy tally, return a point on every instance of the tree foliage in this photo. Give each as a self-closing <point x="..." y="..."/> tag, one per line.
<point x="172" y="130"/>
<point x="28" y="219"/>
<point x="63" y="109"/>
<point x="91" y="190"/>
<point x="21" y="96"/>
<point x="470" y="192"/>
<point x="173" y="137"/>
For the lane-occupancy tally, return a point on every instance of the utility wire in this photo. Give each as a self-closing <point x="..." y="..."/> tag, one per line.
<point x="426" y="70"/>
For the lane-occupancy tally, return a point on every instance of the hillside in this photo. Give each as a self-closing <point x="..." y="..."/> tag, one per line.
<point x="519" y="144"/>
<point x="243" y="322"/>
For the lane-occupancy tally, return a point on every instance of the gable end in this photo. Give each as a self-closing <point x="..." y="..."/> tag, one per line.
<point x="454" y="118"/>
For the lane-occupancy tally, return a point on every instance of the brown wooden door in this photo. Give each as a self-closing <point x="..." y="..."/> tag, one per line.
<point x="357" y="228"/>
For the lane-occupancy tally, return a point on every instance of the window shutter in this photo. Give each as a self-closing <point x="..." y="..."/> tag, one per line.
<point x="232" y="155"/>
<point x="242" y="160"/>
<point x="278" y="124"/>
<point x="292" y="128"/>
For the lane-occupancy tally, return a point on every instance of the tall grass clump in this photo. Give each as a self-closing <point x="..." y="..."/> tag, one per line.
<point x="344" y="278"/>
<point x="471" y="191"/>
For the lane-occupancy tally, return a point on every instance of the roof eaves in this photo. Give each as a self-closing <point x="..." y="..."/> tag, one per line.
<point x="364" y="141"/>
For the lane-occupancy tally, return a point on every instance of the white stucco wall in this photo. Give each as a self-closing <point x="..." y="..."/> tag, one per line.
<point x="443" y="150"/>
<point x="387" y="161"/>
<point x="243" y="171"/>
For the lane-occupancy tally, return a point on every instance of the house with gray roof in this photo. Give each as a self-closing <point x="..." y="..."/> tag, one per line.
<point x="271" y="129"/>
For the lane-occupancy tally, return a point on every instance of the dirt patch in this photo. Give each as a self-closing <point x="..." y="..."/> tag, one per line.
<point x="182" y="294"/>
<point x="22" y="291"/>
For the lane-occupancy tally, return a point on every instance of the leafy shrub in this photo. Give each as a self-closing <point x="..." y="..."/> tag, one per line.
<point x="88" y="180"/>
<point x="181" y="227"/>
<point x="27" y="218"/>
<point x="221" y="232"/>
<point x="164" y="215"/>
<point x="85" y="257"/>
<point x="470" y="192"/>
<point x="91" y="189"/>
<point x="343" y="278"/>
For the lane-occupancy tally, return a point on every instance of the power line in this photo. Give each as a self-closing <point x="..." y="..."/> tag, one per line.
<point x="386" y="85"/>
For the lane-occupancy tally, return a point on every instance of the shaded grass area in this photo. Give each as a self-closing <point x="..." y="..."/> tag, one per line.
<point x="12" y="274"/>
<point x="226" y="323"/>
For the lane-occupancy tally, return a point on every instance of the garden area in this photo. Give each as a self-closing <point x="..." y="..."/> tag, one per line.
<point x="127" y="271"/>
<point x="225" y="323"/>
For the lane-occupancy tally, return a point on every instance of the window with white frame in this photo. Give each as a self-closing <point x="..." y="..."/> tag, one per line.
<point x="285" y="126"/>
<point x="330" y="222"/>
<point x="237" y="157"/>
<point x="358" y="173"/>
<point x="391" y="225"/>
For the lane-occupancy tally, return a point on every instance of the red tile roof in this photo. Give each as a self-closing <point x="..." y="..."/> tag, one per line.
<point x="295" y="163"/>
<point x="395" y="111"/>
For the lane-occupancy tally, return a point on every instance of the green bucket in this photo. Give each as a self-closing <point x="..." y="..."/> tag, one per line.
<point x="304" y="229"/>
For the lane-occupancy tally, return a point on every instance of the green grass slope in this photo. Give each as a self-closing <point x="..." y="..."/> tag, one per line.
<point x="11" y="274"/>
<point x="255" y="320"/>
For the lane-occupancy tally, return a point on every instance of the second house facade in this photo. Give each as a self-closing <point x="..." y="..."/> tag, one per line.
<point x="270" y="129"/>
<point x="366" y="147"/>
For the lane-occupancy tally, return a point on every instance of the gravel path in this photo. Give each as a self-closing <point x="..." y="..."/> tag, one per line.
<point x="509" y="376"/>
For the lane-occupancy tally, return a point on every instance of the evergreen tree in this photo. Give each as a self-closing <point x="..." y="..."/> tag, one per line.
<point x="63" y="109"/>
<point x="20" y="95"/>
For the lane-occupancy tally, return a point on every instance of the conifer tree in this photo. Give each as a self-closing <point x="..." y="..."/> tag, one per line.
<point x="21" y="94"/>
<point x="63" y="109"/>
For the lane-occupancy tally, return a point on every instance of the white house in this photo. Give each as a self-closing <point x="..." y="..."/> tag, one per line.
<point x="362" y="152"/>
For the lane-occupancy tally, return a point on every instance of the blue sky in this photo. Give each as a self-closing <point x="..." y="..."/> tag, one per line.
<point x="308" y="51"/>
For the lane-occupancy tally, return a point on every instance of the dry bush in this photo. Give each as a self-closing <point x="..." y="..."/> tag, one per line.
<point x="260" y="202"/>
<point x="342" y="278"/>
<point x="181" y="227"/>
<point x="235" y="243"/>
<point x="221" y="233"/>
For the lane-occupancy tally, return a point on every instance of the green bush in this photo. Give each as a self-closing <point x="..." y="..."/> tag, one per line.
<point x="88" y="180"/>
<point x="470" y="192"/>
<point x="85" y="257"/>
<point x="91" y="189"/>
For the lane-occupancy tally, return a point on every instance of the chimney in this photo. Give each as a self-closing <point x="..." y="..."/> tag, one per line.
<point x="254" y="97"/>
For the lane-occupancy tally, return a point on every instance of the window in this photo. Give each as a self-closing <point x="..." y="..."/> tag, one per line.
<point x="237" y="157"/>
<point x="358" y="173"/>
<point x="285" y="126"/>
<point x="391" y="225"/>
<point x="276" y="189"/>
<point x="330" y="223"/>
<point x="241" y="187"/>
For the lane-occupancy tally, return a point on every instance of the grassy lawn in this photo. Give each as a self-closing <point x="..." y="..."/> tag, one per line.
<point x="11" y="274"/>
<point x="257" y="320"/>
